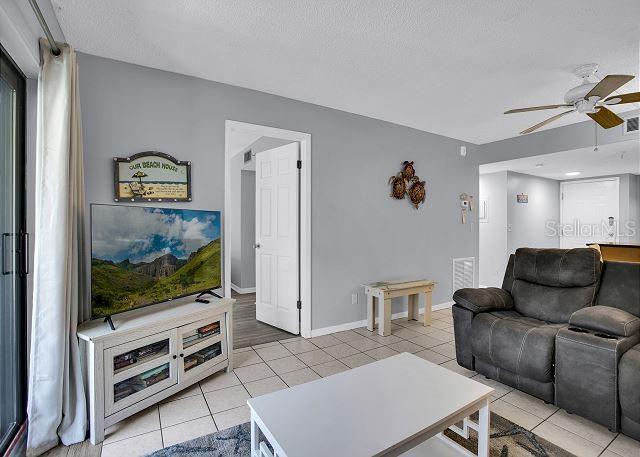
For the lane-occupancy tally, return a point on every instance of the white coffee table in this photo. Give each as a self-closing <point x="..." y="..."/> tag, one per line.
<point x="383" y="408"/>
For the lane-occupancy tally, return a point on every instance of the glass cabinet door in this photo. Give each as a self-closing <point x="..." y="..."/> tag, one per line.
<point x="201" y="346"/>
<point x="139" y="369"/>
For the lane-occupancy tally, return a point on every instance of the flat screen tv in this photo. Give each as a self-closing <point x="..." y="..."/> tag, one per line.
<point x="142" y="256"/>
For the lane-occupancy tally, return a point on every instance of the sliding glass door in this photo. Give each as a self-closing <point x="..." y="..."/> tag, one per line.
<point x="13" y="255"/>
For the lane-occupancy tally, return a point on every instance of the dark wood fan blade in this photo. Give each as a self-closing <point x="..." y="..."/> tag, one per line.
<point x="545" y="122"/>
<point x="608" y="84"/>
<point x="536" y="108"/>
<point x="633" y="97"/>
<point x="606" y="118"/>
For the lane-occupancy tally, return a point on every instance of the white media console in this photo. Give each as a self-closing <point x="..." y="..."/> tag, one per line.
<point x="153" y="353"/>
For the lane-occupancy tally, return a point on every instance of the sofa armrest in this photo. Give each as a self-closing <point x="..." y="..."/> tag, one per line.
<point x="483" y="300"/>
<point x="606" y="319"/>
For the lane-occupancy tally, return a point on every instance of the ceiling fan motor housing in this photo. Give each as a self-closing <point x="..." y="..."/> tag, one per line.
<point x="577" y="93"/>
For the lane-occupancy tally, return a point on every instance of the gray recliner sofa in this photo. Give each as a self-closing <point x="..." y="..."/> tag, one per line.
<point x="558" y="329"/>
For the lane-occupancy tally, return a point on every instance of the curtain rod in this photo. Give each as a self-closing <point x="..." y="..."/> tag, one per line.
<point x="55" y="49"/>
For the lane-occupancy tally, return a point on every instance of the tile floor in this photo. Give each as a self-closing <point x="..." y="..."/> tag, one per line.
<point x="220" y="401"/>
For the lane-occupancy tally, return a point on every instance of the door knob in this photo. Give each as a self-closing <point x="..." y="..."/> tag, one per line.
<point x="256" y="245"/>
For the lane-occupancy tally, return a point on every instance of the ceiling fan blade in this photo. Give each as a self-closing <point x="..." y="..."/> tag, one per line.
<point x="633" y="97"/>
<point x="545" y="122"/>
<point x="536" y="108"/>
<point x="606" y="118"/>
<point x="608" y="84"/>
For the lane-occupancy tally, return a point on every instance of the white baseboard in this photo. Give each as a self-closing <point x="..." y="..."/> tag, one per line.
<point x="362" y="323"/>
<point x="240" y="290"/>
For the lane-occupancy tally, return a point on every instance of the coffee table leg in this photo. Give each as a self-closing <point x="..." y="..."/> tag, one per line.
<point x="255" y="445"/>
<point x="483" y="430"/>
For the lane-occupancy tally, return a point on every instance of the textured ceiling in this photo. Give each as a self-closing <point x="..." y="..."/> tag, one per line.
<point x="444" y="66"/>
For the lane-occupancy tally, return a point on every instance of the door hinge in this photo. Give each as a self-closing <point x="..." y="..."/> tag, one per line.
<point x="299" y="165"/>
<point x="299" y="304"/>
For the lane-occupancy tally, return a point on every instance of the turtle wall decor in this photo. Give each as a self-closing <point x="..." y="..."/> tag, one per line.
<point x="417" y="192"/>
<point x="407" y="183"/>
<point x="398" y="186"/>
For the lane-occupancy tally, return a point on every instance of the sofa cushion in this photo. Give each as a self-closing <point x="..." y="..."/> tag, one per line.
<point x="551" y="304"/>
<point x="620" y="286"/>
<point x="558" y="267"/>
<point x="519" y="344"/>
<point x="628" y="382"/>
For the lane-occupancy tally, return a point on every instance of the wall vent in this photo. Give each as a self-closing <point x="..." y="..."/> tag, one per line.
<point x="463" y="272"/>
<point x="631" y="125"/>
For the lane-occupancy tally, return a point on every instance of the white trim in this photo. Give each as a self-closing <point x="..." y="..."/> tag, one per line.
<point x="243" y="290"/>
<point x="363" y="323"/>
<point x="305" y="209"/>
<point x="578" y="181"/>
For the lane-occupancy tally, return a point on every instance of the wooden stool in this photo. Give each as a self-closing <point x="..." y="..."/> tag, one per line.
<point x="381" y="293"/>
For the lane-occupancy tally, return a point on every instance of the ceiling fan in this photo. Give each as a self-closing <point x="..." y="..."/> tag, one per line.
<point x="589" y="98"/>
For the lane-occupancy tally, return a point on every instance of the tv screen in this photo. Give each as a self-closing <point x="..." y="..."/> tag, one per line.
<point x="142" y="255"/>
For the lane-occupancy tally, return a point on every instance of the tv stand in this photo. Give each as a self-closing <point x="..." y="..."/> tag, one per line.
<point x="108" y="319"/>
<point x="153" y="353"/>
<point x="208" y="292"/>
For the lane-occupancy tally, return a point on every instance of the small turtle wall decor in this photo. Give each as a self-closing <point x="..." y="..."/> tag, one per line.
<point x="417" y="192"/>
<point x="398" y="186"/>
<point x="408" y="172"/>
<point x="407" y="184"/>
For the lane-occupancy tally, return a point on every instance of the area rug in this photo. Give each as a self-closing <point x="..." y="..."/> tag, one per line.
<point x="507" y="440"/>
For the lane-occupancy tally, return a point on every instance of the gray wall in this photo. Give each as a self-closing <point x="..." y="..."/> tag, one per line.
<point x="493" y="252"/>
<point x="236" y="220"/>
<point x="359" y="233"/>
<point x="526" y="222"/>
<point x="248" y="265"/>
<point x="564" y="138"/>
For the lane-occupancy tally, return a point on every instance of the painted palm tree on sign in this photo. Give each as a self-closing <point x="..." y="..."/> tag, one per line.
<point x="137" y="188"/>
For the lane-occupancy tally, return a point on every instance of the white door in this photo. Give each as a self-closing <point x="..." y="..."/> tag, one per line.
<point x="589" y="212"/>
<point x="277" y="237"/>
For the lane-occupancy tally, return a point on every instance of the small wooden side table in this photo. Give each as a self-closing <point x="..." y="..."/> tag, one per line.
<point x="379" y="295"/>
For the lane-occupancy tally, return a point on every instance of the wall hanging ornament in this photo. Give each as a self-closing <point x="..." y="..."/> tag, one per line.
<point x="408" y="172"/>
<point x="417" y="192"/>
<point x="151" y="176"/>
<point x="466" y="204"/>
<point x="398" y="186"/>
<point x="407" y="184"/>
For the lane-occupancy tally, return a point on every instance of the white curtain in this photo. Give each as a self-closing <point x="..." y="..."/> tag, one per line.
<point x="56" y="407"/>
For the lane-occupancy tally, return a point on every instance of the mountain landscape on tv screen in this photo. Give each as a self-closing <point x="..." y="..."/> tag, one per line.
<point x="153" y="255"/>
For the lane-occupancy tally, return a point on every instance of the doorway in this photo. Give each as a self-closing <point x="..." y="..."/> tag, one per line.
<point x="589" y="212"/>
<point x="267" y="224"/>
<point x="13" y="252"/>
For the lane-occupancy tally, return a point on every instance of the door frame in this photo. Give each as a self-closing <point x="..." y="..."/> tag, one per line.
<point x="616" y="179"/>
<point x="305" y="209"/>
<point x="12" y="70"/>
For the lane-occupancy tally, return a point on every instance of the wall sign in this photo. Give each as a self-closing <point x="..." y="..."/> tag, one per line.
<point x="151" y="176"/>
<point x="522" y="198"/>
